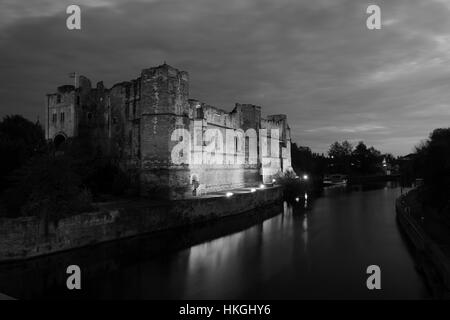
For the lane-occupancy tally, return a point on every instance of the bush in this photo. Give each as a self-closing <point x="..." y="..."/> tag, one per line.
<point x="20" y="140"/>
<point x="292" y="185"/>
<point x="47" y="187"/>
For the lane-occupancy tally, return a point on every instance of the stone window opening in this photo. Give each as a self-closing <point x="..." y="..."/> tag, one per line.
<point x="58" y="98"/>
<point x="199" y="134"/>
<point x="54" y="117"/>
<point x="61" y="117"/>
<point x="199" y="112"/>
<point x="247" y="149"/>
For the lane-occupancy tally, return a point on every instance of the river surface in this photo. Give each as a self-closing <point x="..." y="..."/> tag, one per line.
<point x="310" y="250"/>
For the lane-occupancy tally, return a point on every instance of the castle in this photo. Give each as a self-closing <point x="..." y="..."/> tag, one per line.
<point x="167" y="143"/>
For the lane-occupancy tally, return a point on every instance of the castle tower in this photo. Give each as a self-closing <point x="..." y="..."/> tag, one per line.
<point x="61" y="115"/>
<point x="164" y="108"/>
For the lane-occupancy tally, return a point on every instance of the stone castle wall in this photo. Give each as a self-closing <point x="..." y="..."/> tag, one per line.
<point x="174" y="144"/>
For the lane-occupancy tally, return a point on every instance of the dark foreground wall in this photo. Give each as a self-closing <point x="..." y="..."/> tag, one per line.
<point x="29" y="237"/>
<point x="429" y="255"/>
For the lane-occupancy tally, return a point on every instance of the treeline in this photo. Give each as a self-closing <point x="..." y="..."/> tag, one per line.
<point x="36" y="179"/>
<point x="343" y="158"/>
<point x="431" y="162"/>
<point x="358" y="160"/>
<point x="305" y="161"/>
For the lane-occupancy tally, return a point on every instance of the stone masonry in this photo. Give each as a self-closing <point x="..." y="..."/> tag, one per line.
<point x="166" y="141"/>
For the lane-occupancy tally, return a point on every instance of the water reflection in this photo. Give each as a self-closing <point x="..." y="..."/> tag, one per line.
<point x="309" y="249"/>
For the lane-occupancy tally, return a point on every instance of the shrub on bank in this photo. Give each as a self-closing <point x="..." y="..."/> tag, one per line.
<point x="47" y="187"/>
<point x="20" y="140"/>
<point x="292" y="185"/>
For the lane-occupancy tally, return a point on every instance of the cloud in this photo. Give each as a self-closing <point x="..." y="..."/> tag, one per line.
<point x="13" y="10"/>
<point x="313" y="60"/>
<point x="349" y="129"/>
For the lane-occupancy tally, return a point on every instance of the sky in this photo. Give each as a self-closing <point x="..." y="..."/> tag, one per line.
<point x="315" y="61"/>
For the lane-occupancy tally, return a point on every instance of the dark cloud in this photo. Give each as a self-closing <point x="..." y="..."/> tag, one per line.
<point x="313" y="60"/>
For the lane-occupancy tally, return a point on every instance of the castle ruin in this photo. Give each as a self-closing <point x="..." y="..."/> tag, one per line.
<point x="167" y="143"/>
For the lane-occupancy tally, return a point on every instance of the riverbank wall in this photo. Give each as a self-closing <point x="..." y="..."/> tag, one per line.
<point x="28" y="237"/>
<point x="429" y="255"/>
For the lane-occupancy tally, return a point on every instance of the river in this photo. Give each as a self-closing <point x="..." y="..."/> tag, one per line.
<point x="314" y="249"/>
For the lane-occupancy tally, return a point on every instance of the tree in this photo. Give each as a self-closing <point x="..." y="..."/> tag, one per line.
<point x="340" y="154"/>
<point x="340" y="150"/>
<point x="366" y="160"/>
<point x="47" y="187"/>
<point x="433" y="160"/>
<point x="20" y="139"/>
<point x="304" y="160"/>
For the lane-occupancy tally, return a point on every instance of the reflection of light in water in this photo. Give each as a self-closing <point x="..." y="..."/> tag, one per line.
<point x="305" y="232"/>
<point x="287" y="209"/>
<point x="211" y="262"/>
<point x="207" y="260"/>
<point x="210" y="254"/>
<point x="305" y="201"/>
<point x="226" y="258"/>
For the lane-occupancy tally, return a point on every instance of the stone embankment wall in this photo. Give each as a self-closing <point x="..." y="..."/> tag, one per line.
<point x="28" y="237"/>
<point x="429" y="255"/>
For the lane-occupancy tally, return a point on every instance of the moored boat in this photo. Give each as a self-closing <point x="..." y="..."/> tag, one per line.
<point x="335" y="179"/>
